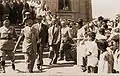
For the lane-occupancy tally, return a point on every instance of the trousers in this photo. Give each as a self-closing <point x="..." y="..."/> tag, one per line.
<point x="55" y="53"/>
<point x="30" y="61"/>
<point x="40" y="49"/>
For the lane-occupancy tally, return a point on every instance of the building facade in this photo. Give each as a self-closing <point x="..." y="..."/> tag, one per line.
<point x="72" y="9"/>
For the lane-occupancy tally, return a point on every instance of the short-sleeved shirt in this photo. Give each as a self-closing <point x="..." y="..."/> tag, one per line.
<point x="6" y="38"/>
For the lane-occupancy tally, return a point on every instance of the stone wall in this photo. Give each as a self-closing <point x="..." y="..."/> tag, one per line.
<point x="79" y="9"/>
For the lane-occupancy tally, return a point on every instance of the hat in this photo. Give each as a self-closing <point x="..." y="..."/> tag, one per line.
<point x="100" y="18"/>
<point x="91" y="34"/>
<point x="69" y="20"/>
<point x="26" y="19"/>
<point x="115" y="38"/>
<point x="101" y="30"/>
<point x="80" y="19"/>
<point x="6" y="18"/>
<point x="105" y="20"/>
<point x="27" y="13"/>
<point x="39" y="17"/>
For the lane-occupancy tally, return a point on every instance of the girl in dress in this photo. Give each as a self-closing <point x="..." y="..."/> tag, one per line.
<point x="106" y="61"/>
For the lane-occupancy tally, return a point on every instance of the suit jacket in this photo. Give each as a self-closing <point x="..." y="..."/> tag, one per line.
<point x="42" y="33"/>
<point x="54" y="35"/>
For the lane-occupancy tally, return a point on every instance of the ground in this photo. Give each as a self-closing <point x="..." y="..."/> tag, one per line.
<point x="61" y="68"/>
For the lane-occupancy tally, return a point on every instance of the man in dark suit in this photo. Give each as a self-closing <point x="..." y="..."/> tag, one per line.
<point x="42" y="33"/>
<point x="54" y="41"/>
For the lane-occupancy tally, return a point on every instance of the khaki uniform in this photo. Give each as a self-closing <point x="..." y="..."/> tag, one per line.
<point x="29" y="46"/>
<point x="7" y="42"/>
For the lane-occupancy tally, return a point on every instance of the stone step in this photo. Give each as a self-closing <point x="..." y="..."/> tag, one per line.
<point x="19" y="49"/>
<point x="20" y="56"/>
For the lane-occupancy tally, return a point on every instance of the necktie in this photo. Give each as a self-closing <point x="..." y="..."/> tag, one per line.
<point x="53" y="30"/>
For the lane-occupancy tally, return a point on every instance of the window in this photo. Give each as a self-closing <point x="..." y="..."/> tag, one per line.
<point x="64" y="5"/>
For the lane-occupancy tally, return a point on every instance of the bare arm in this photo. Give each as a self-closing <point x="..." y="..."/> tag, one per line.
<point x="18" y="42"/>
<point x="69" y="34"/>
<point x="59" y="36"/>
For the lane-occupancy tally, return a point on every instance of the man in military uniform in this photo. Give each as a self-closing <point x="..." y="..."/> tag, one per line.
<point x="7" y="33"/>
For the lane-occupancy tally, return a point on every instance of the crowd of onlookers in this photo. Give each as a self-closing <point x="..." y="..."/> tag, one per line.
<point x="94" y="45"/>
<point x="15" y="10"/>
<point x="99" y="49"/>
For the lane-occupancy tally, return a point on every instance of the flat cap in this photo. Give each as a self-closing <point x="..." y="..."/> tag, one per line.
<point x="115" y="38"/>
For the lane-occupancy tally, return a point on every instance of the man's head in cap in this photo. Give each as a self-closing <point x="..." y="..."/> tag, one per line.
<point x="105" y="20"/>
<point x="28" y="22"/>
<point x="39" y="19"/>
<point x="6" y="22"/>
<point x="63" y="23"/>
<point x="100" y="18"/>
<point x="114" y="43"/>
<point x="102" y="31"/>
<point x="71" y="24"/>
<point x="80" y="21"/>
<point x="54" y="21"/>
<point x="115" y="38"/>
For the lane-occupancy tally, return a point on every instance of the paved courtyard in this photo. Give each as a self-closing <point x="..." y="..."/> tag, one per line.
<point x="61" y="68"/>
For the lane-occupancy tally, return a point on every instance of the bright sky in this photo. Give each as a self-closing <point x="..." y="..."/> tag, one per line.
<point x="106" y="8"/>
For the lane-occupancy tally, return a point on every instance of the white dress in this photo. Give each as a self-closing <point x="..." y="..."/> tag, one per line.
<point x="106" y="62"/>
<point x="117" y="60"/>
<point x="103" y="65"/>
<point x="80" y="48"/>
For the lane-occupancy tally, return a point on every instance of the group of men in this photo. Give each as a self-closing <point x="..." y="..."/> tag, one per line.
<point x="41" y="30"/>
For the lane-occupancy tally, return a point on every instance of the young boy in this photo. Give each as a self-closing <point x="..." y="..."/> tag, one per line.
<point x="91" y="53"/>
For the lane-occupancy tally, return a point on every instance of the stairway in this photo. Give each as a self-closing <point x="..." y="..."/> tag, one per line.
<point x="19" y="55"/>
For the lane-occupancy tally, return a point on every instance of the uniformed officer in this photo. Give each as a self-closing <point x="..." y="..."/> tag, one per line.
<point x="7" y="35"/>
<point x="29" y="44"/>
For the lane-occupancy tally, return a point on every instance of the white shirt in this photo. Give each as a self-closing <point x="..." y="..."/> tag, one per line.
<point x="99" y="36"/>
<point x="4" y="32"/>
<point x="91" y="46"/>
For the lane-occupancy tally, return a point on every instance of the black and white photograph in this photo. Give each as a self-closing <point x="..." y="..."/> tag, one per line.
<point x="59" y="37"/>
